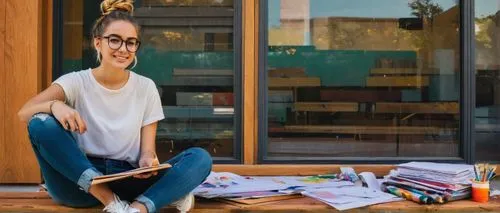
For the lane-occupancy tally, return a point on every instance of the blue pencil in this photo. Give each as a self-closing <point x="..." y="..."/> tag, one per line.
<point x="476" y="174"/>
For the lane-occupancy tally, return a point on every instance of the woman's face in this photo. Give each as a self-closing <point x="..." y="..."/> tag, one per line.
<point x="118" y="44"/>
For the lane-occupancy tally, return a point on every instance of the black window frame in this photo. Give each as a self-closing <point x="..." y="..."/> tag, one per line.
<point x="467" y="99"/>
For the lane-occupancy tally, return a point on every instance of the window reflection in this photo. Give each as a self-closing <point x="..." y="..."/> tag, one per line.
<point x="363" y="79"/>
<point x="486" y="21"/>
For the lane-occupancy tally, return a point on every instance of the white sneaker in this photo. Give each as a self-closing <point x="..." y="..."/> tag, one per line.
<point x="117" y="206"/>
<point x="133" y="210"/>
<point x="184" y="204"/>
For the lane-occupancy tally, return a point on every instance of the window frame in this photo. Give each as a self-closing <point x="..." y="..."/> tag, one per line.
<point x="466" y="103"/>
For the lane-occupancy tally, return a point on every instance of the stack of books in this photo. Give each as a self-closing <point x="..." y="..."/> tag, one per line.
<point x="427" y="183"/>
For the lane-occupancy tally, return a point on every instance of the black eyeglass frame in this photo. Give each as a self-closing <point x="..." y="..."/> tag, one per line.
<point x="121" y="42"/>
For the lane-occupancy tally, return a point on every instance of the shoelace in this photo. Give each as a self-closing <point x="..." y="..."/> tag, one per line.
<point x="117" y="206"/>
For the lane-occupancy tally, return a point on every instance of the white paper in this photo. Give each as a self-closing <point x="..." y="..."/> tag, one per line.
<point x="370" y="180"/>
<point x="224" y="183"/>
<point x="350" y="197"/>
<point x="440" y="172"/>
<point x="362" y="203"/>
<point x="494" y="192"/>
<point x="306" y="181"/>
<point x="448" y="168"/>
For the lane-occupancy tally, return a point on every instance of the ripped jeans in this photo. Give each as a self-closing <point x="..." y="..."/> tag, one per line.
<point x="67" y="171"/>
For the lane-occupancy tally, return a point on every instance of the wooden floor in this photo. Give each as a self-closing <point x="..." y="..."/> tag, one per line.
<point x="40" y="202"/>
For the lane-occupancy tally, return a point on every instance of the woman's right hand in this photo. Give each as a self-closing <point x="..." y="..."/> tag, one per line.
<point x="68" y="117"/>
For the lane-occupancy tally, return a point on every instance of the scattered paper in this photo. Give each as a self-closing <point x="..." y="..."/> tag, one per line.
<point x="225" y="184"/>
<point x="494" y="192"/>
<point x="304" y="182"/>
<point x="350" y="197"/>
<point x="370" y="180"/>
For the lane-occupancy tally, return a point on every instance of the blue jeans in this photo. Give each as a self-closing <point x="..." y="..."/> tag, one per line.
<point x="67" y="171"/>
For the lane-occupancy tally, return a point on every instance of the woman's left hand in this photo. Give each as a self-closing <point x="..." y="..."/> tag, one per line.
<point x="146" y="160"/>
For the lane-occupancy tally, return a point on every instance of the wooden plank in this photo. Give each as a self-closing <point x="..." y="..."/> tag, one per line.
<point x="397" y="81"/>
<point x="250" y="70"/>
<point x="286" y="72"/>
<point x="385" y="130"/>
<point x="202" y="72"/>
<point x="294" y="82"/>
<point x="24" y="195"/>
<point x="22" y="81"/>
<point x="199" y="81"/>
<point x="430" y="108"/>
<point x="303" y="204"/>
<point x="325" y="107"/>
<point x="256" y="83"/>
<point x="3" y="80"/>
<point x="403" y="71"/>
<point x="262" y="200"/>
<point x="360" y="95"/>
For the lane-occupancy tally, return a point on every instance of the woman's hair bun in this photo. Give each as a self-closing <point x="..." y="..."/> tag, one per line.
<point x="108" y="6"/>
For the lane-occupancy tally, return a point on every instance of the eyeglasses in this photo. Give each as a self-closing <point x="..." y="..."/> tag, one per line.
<point x="115" y="42"/>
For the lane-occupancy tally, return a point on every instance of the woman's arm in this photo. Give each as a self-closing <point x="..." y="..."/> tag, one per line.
<point x="51" y="100"/>
<point x="148" y="148"/>
<point x="41" y="102"/>
<point x="148" y="139"/>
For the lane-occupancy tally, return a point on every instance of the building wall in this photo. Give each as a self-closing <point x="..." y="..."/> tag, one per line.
<point x="21" y="64"/>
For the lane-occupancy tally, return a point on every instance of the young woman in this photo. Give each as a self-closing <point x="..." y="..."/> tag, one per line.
<point x="103" y="121"/>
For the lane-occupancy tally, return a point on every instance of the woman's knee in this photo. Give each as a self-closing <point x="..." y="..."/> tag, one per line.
<point x="202" y="157"/>
<point x="43" y="123"/>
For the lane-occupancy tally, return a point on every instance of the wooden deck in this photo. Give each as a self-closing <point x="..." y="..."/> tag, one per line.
<point x="40" y="202"/>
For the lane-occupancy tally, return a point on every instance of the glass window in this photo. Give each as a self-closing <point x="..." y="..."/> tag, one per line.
<point x="355" y="79"/>
<point x="188" y="50"/>
<point x="487" y="112"/>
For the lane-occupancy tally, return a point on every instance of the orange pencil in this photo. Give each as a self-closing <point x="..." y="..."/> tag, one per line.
<point x="485" y="172"/>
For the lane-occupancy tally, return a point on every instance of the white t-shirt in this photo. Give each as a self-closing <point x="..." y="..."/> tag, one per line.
<point x="114" y="117"/>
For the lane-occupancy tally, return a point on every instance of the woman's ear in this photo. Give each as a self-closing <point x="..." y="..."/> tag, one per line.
<point x="97" y="43"/>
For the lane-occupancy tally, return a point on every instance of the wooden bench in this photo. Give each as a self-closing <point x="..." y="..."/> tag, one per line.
<point x="294" y="82"/>
<point x="403" y="71"/>
<point x="397" y="81"/>
<point x="40" y="202"/>
<point x="325" y="107"/>
<point x="430" y="108"/>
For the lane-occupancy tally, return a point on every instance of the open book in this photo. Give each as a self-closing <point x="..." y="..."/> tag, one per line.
<point x="121" y="175"/>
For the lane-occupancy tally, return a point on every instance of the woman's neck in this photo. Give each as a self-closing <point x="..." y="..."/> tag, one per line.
<point x="110" y="77"/>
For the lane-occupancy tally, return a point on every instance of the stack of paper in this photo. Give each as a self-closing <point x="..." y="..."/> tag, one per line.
<point x="442" y="172"/>
<point x="425" y="182"/>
